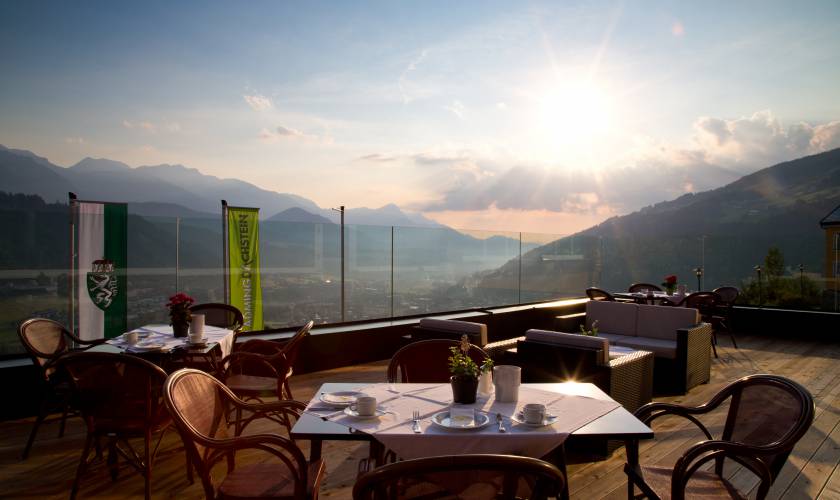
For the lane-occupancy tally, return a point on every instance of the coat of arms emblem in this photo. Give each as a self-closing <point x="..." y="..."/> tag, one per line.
<point x="102" y="283"/>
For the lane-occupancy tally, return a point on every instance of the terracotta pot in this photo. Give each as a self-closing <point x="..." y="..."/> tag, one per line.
<point x="464" y="388"/>
<point x="181" y="328"/>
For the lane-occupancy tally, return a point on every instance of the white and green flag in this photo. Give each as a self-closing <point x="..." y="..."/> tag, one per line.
<point x="245" y="292"/>
<point x="101" y="264"/>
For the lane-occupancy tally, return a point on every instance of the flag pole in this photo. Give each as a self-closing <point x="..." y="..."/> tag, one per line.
<point x="225" y="262"/>
<point x="71" y="291"/>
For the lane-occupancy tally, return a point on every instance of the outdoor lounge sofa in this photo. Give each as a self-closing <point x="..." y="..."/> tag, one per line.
<point x="434" y="328"/>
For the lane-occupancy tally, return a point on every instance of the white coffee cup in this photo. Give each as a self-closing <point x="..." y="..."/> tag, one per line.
<point x="506" y="379"/>
<point x="365" y="406"/>
<point x="195" y="338"/>
<point x="197" y="325"/>
<point x="131" y="338"/>
<point x="534" y="413"/>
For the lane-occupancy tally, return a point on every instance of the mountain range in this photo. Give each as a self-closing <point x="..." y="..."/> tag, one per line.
<point x="174" y="190"/>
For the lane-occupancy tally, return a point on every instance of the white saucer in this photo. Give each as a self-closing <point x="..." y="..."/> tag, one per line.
<point x="548" y="420"/>
<point x="339" y="398"/>
<point x="200" y="343"/>
<point x="353" y="413"/>
<point x="442" y="419"/>
<point x="148" y="347"/>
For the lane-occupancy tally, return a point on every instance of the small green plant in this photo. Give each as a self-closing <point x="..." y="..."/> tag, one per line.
<point x="461" y="364"/>
<point x="590" y="333"/>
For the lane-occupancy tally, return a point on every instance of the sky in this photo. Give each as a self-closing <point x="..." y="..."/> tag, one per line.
<point x="544" y="117"/>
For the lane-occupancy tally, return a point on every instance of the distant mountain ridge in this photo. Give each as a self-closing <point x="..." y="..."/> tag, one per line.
<point x="161" y="187"/>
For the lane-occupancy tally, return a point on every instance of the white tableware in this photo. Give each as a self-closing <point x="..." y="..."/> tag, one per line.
<point x="197" y="341"/>
<point x="442" y="419"/>
<point x="534" y="413"/>
<point x="506" y="379"/>
<point x="197" y="325"/>
<point x="339" y="398"/>
<point x="350" y="412"/>
<point x="148" y="346"/>
<point x="131" y="337"/>
<point x="547" y="420"/>
<point x="485" y="384"/>
<point x="364" y="405"/>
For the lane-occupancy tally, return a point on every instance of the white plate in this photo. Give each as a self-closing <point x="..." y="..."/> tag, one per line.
<point x="151" y="346"/>
<point x="339" y="398"/>
<point x="353" y="413"/>
<point x="442" y="419"/>
<point x="548" y="420"/>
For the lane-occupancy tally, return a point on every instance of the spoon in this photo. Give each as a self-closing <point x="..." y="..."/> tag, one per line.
<point x="500" y="421"/>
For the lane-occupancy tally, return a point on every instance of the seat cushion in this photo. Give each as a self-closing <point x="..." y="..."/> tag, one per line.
<point x="454" y="326"/>
<point x="251" y="384"/>
<point x="572" y="340"/>
<point x="612" y="317"/>
<point x="700" y="485"/>
<point x="268" y="480"/>
<point x="660" y="322"/>
<point x="614" y="338"/>
<point x="659" y="347"/>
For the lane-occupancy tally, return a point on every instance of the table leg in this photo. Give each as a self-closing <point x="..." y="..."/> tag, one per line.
<point x="315" y="450"/>
<point x="631" y="447"/>
<point x="557" y="456"/>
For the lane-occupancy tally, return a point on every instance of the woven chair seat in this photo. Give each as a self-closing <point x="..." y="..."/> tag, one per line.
<point x="267" y="480"/>
<point x="251" y="384"/>
<point x="701" y="485"/>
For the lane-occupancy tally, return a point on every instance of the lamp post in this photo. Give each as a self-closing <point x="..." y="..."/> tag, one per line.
<point x="802" y="281"/>
<point x="698" y="271"/>
<point x="341" y="211"/>
<point x="758" y="272"/>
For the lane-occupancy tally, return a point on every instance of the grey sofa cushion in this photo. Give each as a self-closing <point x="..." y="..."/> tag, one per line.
<point x="612" y="317"/>
<point x="659" y="347"/>
<point x="572" y="340"/>
<point x="455" y="326"/>
<point x="662" y="322"/>
<point x="614" y="338"/>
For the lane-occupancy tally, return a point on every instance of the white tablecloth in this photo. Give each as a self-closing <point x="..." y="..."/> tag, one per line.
<point x="394" y="429"/>
<point x="163" y="334"/>
<point x="675" y="298"/>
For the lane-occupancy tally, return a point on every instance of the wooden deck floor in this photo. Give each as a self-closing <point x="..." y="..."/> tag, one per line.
<point x="811" y="472"/>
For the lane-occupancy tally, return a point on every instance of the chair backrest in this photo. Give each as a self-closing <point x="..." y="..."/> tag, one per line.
<point x="767" y="411"/>
<point x="116" y="391"/>
<point x="728" y="294"/>
<point x="221" y="315"/>
<point x="292" y="346"/>
<point x="428" y="361"/>
<point x="638" y="287"/>
<point x="705" y="302"/>
<point x="45" y="340"/>
<point x="462" y="476"/>
<point x="200" y="406"/>
<point x="598" y="294"/>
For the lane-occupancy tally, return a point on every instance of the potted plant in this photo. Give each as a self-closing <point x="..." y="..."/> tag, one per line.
<point x="590" y="333"/>
<point x="670" y="283"/>
<point x="179" y="313"/>
<point x="465" y="372"/>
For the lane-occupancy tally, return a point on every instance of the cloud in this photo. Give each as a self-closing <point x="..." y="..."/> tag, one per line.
<point x="378" y="158"/>
<point x="74" y="140"/>
<point x="404" y="83"/>
<point x="152" y="128"/>
<point x="281" y="133"/>
<point x="456" y="108"/>
<point x="258" y="102"/>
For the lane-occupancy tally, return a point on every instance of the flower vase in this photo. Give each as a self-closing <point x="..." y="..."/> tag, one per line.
<point x="180" y="328"/>
<point x="463" y="389"/>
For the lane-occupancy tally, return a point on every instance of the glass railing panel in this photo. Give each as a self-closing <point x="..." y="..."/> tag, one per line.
<point x="301" y="272"/>
<point x="151" y="273"/>
<point x="200" y="259"/>
<point x="34" y="269"/>
<point x="367" y="272"/>
<point x="554" y="266"/>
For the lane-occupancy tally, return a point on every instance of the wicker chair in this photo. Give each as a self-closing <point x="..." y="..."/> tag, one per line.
<point x="463" y="476"/>
<point x="201" y="407"/>
<point x="120" y="398"/>
<point x="598" y="294"/>
<point x="767" y="415"/>
<point x="638" y="287"/>
<point x="426" y="361"/>
<point x="45" y="341"/>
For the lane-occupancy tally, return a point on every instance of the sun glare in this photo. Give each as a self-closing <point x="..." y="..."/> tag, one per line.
<point x="573" y="112"/>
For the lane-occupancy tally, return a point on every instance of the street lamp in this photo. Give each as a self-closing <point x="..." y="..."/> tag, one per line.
<point x="341" y="211"/>
<point x="758" y="272"/>
<point x="698" y="271"/>
<point x="802" y="281"/>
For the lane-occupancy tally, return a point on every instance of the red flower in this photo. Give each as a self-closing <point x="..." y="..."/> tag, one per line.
<point x="180" y="300"/>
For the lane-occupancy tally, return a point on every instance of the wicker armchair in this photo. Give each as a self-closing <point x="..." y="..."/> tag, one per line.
<point x="45" y="341"/>
<point x="426" y="361"/>
<point x="202" y="407"/>
<point x="766" y="417"/>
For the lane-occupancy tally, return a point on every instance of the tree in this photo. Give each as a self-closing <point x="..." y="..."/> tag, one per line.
<point x="774" y="263"/>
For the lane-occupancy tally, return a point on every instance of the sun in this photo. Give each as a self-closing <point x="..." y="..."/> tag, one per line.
<point x="572" y="112"/>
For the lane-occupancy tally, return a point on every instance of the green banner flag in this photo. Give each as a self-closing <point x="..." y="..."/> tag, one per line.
<point x="244" y="265"/>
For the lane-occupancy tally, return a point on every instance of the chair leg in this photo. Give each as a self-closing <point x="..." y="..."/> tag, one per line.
<point x="64" y="410"/>
<point x="147" y="464"/>
<point x="714" y="342"/>
<point x="42" y="414"/>
<point x="82" y="466"/>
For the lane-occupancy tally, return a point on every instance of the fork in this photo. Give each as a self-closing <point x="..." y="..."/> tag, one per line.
<point x="415" y="416"/>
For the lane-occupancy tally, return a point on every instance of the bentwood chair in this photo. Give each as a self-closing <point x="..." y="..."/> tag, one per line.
<point x="707" y="304"/>
<point x="767" y="415"/>
<point x="45" y="341"/>
<point x="723" y="317"/>
<point x="202" y="408"/>
<point x="427" y="361"/>
<point x="120" y="398"/>
<point x="598" y="294"/>
<point x="463" y="476"/>
<point x="638" y="287"/>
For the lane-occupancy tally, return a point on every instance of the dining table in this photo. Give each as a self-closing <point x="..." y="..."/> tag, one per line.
<point x="574" y="410"/>
<point x="655" y="297"/>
